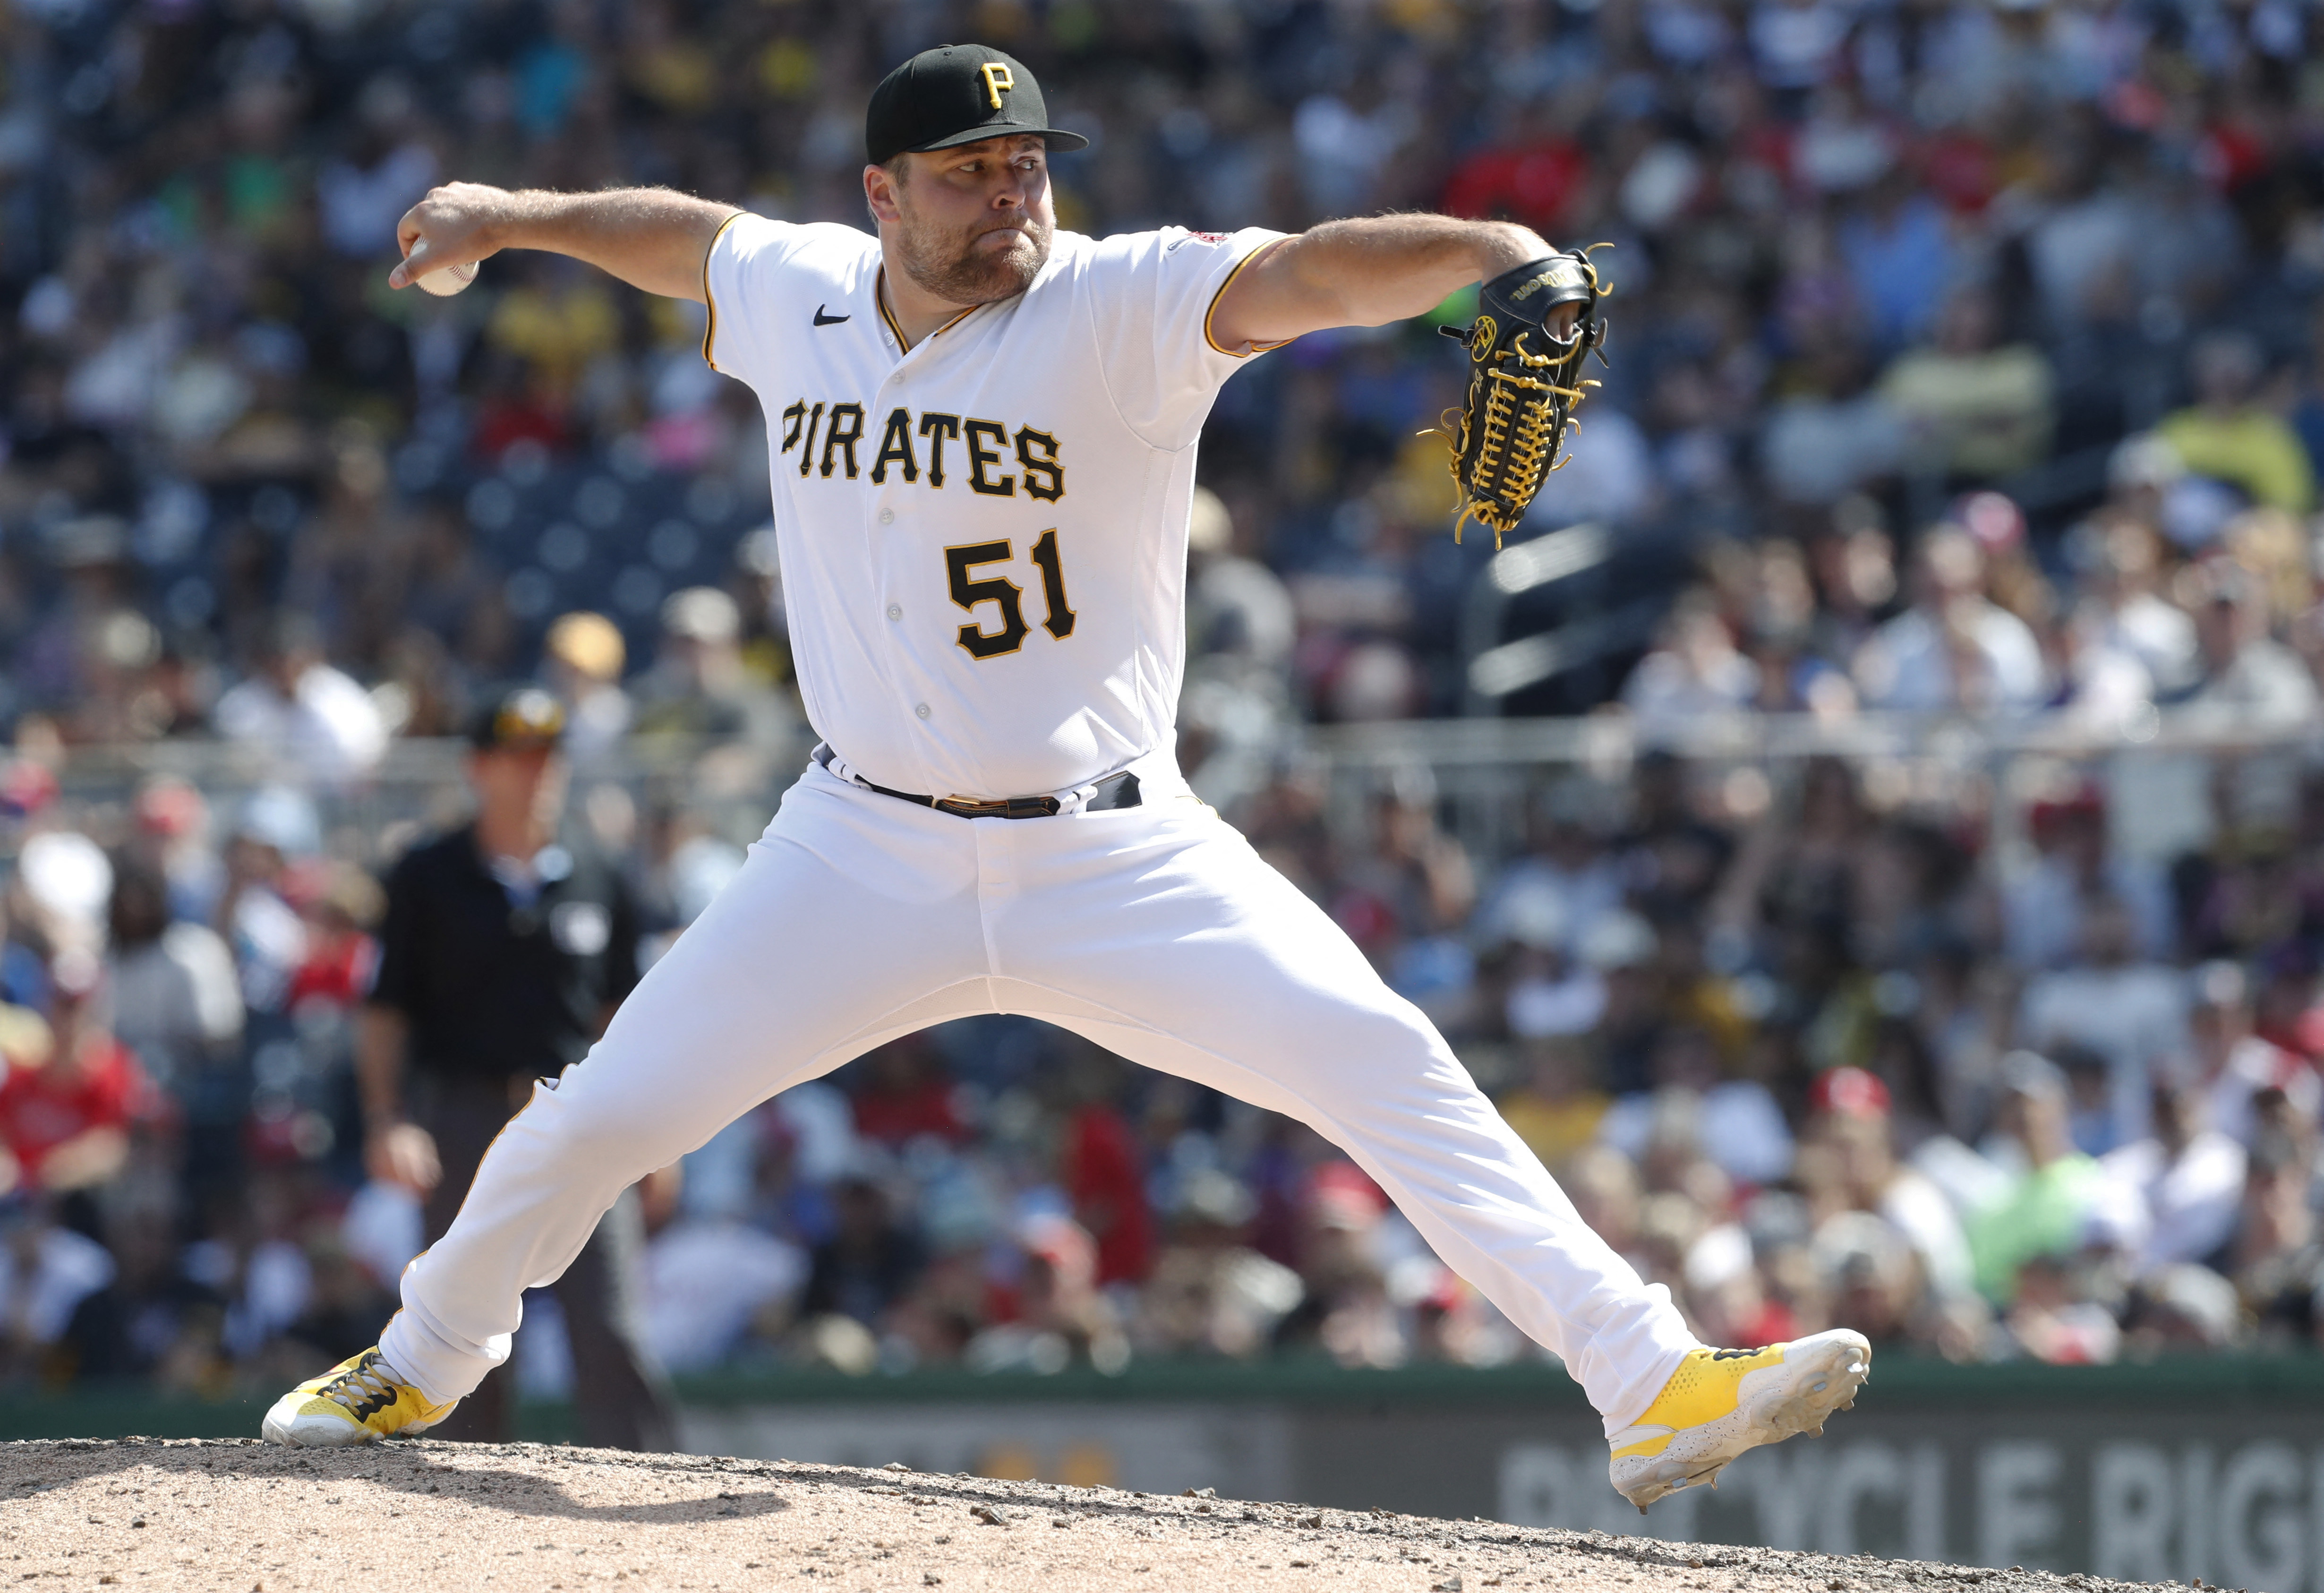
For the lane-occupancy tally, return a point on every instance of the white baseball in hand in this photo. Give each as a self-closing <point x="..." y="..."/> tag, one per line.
<point x="450" y="280"/>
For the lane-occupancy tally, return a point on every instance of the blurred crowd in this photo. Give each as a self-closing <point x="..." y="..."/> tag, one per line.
<point x="1966" y="356"/>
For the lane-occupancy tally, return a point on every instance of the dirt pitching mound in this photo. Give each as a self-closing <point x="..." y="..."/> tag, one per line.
<point x="245" y="1517"/>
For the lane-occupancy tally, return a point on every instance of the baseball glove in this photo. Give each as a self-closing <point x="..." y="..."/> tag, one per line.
<point x="1524" y="382"/>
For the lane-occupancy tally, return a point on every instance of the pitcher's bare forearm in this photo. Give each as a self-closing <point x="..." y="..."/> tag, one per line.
<point x="1365" y="273"/>
<point x="651" y="238"/>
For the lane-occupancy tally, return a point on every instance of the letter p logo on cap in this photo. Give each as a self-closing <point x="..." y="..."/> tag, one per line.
<point x="997" y="76"/>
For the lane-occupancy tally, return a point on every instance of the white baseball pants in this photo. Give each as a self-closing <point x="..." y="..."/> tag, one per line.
<point x="1155" y="931"/>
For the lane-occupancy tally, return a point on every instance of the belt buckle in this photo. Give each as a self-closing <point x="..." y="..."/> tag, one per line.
<point x="976" y="808"/>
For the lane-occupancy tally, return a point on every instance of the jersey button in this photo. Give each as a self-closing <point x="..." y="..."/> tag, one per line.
<point x="895" y="611"/>
<point x="922" y="710"/>
<point x="887" y="517"/>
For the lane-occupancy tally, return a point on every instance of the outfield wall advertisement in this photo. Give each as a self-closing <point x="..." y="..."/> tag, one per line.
<point x="2153" y="1478"/>
<point x="2127" y="1498"/>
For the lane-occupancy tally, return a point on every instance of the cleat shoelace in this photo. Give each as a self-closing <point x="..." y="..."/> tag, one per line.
<point x="361" y="1388"/>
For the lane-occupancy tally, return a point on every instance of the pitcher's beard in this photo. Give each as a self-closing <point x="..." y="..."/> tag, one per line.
<point x="958" y="271"/>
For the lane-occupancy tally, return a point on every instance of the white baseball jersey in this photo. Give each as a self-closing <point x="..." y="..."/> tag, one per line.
<point x="985" y="537"/>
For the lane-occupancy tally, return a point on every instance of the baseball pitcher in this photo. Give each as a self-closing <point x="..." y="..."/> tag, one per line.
<point x="982" y="431"/>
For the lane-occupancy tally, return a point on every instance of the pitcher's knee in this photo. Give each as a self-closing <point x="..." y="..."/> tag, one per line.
<point x="596" y="1129"/>
<point x="1391" y="1047"/>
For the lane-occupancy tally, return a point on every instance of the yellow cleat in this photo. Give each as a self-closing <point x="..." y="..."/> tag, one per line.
<point x="356" y="1402"/>
<point x="1722" y="1402"/>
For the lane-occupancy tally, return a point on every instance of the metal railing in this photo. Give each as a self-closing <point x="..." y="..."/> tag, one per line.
<point x="1485" y="771"/>
<point x="2154" y="767"/>
<point x="732" y="785"/>
<point x="1592" y="740"/>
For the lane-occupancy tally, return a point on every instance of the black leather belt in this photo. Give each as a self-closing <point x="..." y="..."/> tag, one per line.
<point x="1116" y="790"/>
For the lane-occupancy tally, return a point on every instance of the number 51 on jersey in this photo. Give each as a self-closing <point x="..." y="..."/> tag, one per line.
<point x="969" y="590"/>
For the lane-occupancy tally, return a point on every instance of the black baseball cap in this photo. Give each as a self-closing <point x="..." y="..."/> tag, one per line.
<point x="956" y="94"/>
<point x="519" y="719"/>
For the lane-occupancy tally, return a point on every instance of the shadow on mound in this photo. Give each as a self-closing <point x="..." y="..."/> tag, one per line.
<point x="420" y="1468"/>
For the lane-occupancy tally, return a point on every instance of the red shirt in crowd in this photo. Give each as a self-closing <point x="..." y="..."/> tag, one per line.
<point x="1532" y="183"/>
<point x="1108" y="1187"/>
<point x="43" y="1108"/>
<point x="337" y="970"/>
<point x="898" y="1117"/>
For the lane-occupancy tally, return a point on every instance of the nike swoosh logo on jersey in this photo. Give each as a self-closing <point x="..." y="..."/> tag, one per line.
<point x="822" y="319"/>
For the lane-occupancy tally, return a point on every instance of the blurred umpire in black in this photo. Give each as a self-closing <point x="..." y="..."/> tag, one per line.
<point x="502" y="957"/>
